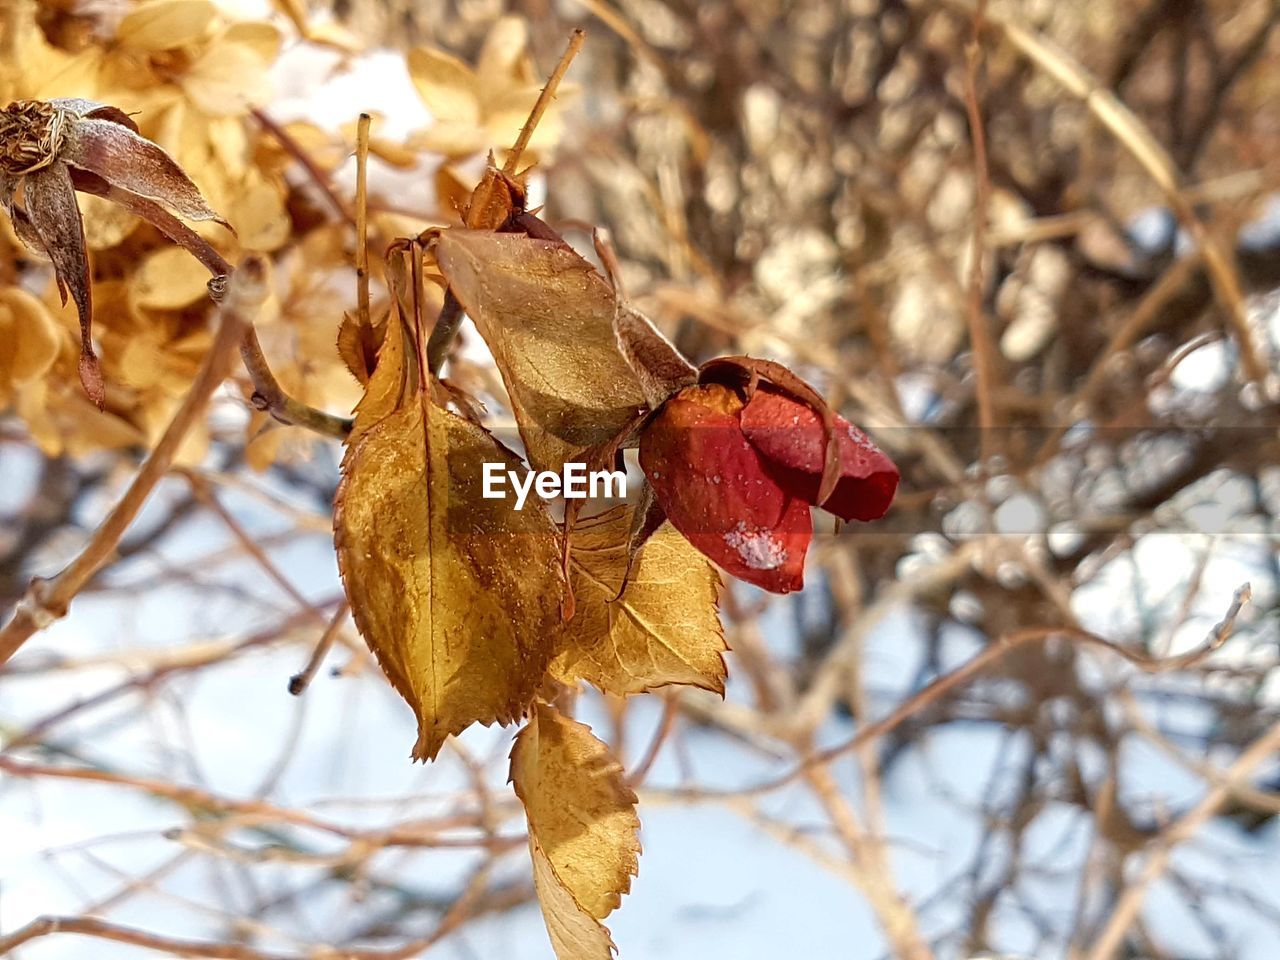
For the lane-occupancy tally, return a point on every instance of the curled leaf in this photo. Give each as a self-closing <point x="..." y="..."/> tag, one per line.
<point x="457" y="595"/>
<point x="582" y="828"/>
<point x="663" y="629"/>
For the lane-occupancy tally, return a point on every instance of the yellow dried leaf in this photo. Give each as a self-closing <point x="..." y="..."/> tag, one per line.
<point x="663" y="630"/>
<point x="165" y="24"/>
<point x="547" y="316"/>
<point x="574" y="933"/>
<point x="447" y="86"/>
<point x="457" y="595"/>
<point x="582" y="828"/>
<point x="29" y="339"/>
<point x="168" y="279"/>
<point x="392" y="382"/>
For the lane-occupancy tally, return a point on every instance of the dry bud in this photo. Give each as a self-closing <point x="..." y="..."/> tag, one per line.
<point x="50" y="149"/>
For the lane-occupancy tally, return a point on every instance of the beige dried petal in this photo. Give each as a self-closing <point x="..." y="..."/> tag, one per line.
<point x="227" y="79"/>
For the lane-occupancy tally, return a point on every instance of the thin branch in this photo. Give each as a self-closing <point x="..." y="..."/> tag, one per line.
<point x="270" y="397"/>
<point x="294" y="149"/>
<point x="544" y="100"/>
<point x="46" y="601"/>
<point x="984" y="355"/>
<point x="1126" y="909"/>
<point x="362" y="217"/>
<point x="299" y="682"/>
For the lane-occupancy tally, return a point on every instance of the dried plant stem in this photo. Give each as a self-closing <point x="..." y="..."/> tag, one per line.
<point x="544" y="100"/>
<point x="299" y="682"/>
<point x="997" y="650"/>
<point x="362" y="216"/>
<point x="1125" y="126"/>
<point x="894" y="914"/>
<point x="47" y="600"/>
<point x="984" y="355"/>
<point x="269" y="397"/>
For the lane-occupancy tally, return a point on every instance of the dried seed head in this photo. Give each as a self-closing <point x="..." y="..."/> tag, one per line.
<point x="31" y="133"/>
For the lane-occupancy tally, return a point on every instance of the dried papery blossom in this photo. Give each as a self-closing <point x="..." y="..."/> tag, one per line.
<point x="50" y="149"/>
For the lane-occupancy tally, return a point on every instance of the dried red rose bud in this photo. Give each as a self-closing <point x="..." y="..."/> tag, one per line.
<point x="51" y="149"/>
<point x="791" y="437"/>
<point x="715" y="489"/>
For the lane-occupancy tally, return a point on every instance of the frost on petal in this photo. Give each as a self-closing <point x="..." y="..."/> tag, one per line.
<point x="715" y="490"/>
<point x="759" y="547"/>
<point x="789" y="435"/>
<point x="133" y="163"/>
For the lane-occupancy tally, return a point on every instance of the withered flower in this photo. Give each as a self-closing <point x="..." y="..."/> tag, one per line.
<point x="49" y="149"/>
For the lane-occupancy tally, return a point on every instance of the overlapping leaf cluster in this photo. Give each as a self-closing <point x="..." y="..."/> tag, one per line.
<point x="477" y="612"/>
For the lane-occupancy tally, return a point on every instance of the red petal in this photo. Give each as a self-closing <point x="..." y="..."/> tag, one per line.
<point x="789" y="435"/>
<point x="715" y="490"/>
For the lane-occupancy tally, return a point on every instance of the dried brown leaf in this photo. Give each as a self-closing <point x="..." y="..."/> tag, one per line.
<point x="547" y="316"/>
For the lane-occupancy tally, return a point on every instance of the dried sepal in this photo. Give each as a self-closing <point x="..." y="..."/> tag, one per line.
<point x="659" y="367"/>
<point x="133" y="163"/>
<point x="50" y="205"/>
<point x="52" y="148"/>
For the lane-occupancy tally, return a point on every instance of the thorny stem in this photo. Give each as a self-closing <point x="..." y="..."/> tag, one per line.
<point x="362" y="217"/>
<point x="47" y="600"/>
<point x="544" y="100"/>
